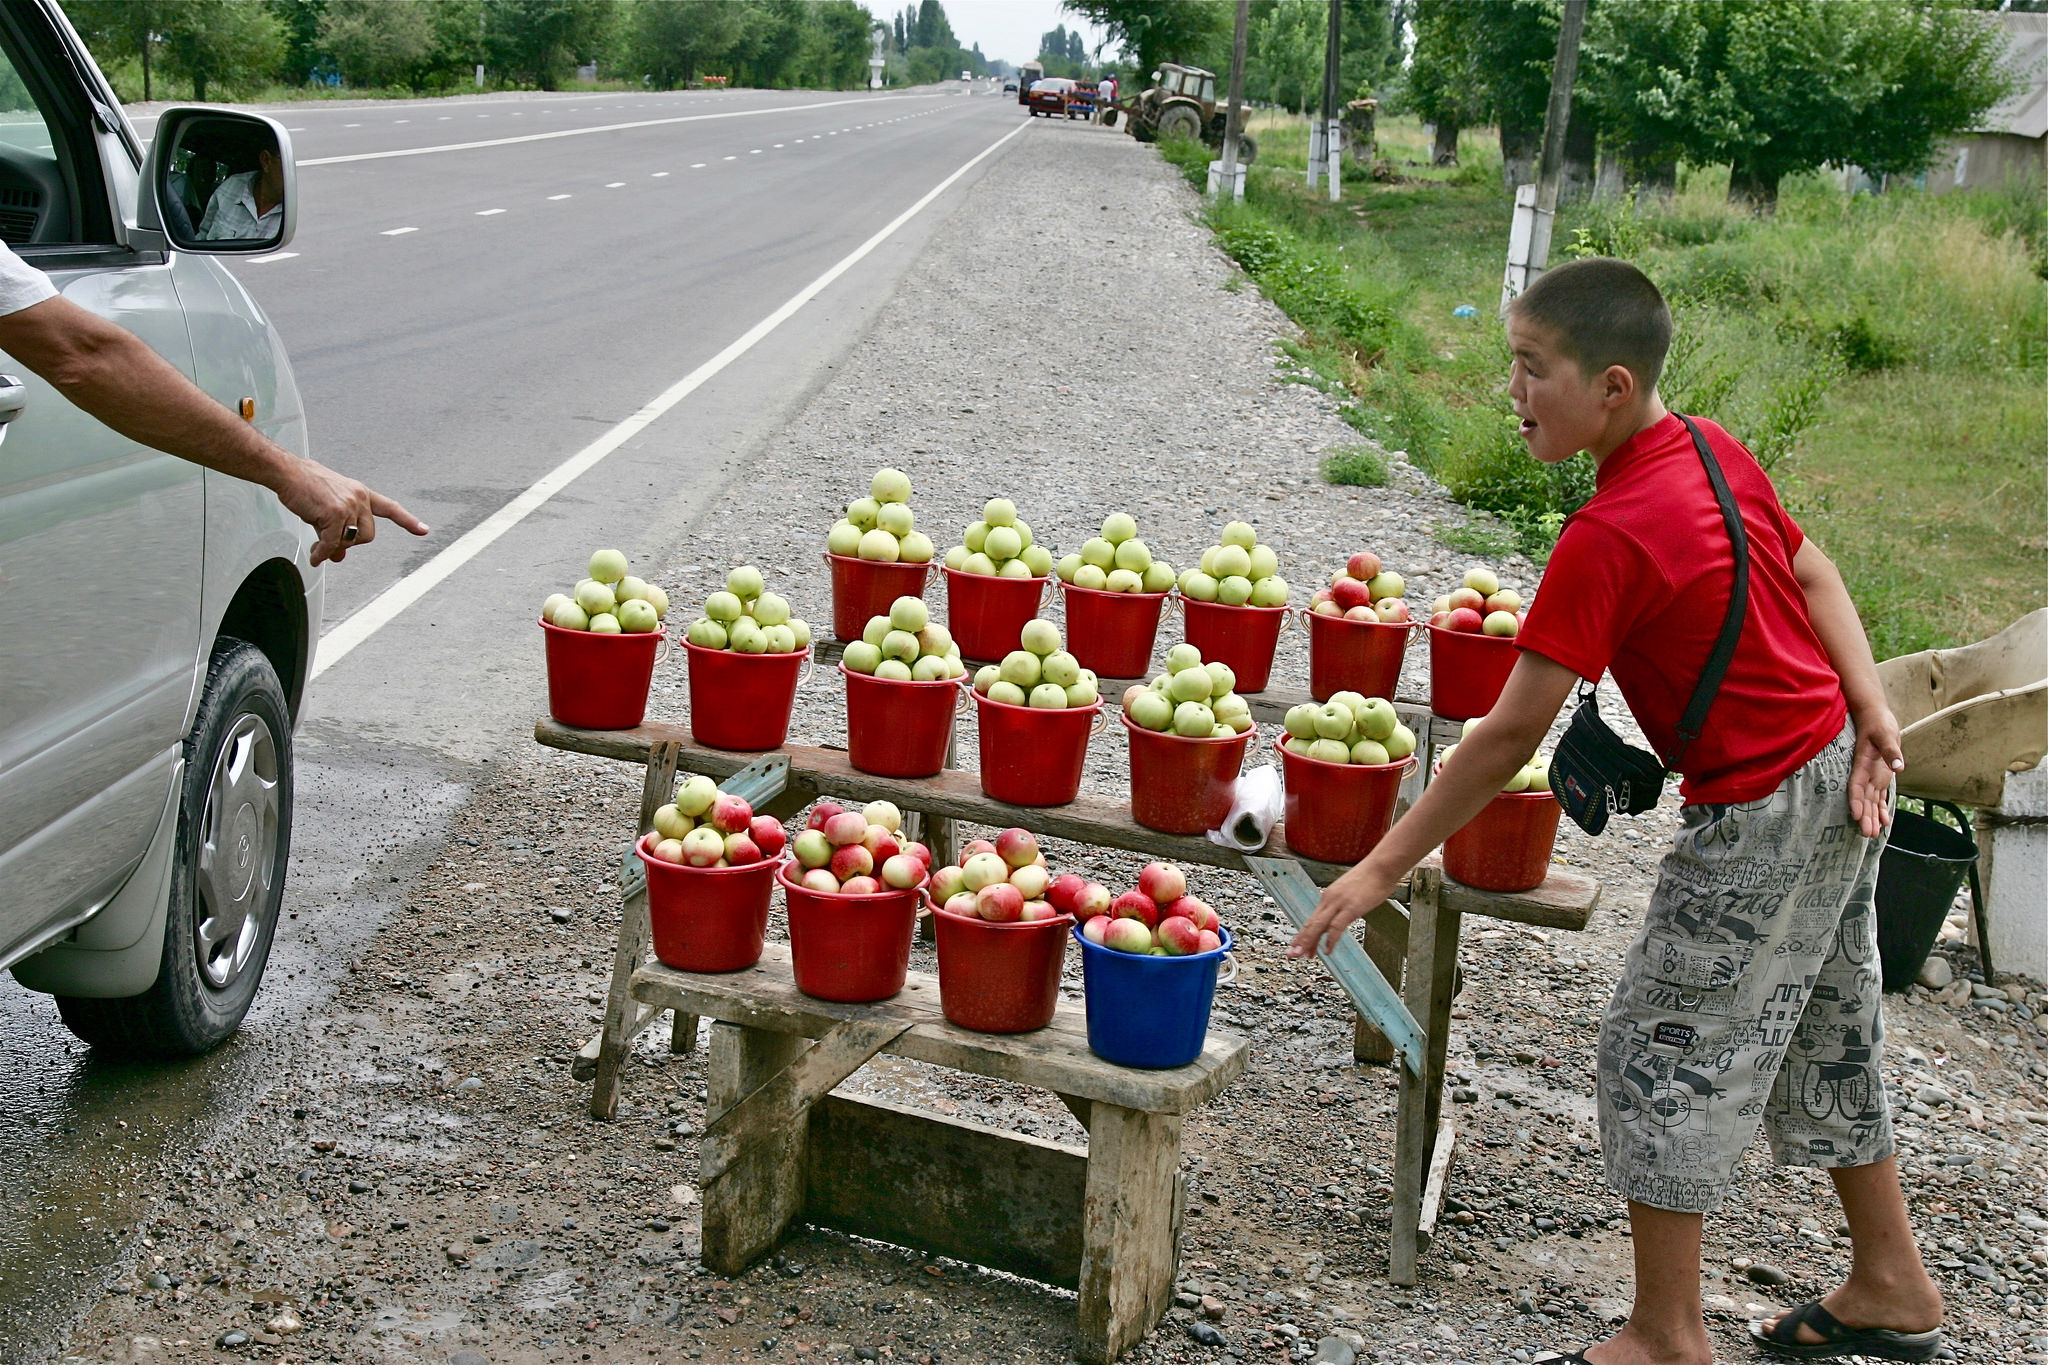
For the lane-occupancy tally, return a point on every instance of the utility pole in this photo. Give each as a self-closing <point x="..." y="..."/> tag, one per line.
<point x="1228" y="171"/>
<point x="1536" y="205"/>
<point x="1326" y="134"/>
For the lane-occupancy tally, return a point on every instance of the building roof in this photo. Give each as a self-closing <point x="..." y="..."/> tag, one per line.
<point x="2025" y="112"/>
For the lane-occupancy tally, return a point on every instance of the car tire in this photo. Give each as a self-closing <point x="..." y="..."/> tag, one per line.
<point x="1179" y="121"/>
<point x="1247" y="149"/>
<point x="227" y="871"/>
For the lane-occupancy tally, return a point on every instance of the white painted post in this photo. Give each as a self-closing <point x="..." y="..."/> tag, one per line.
<point x="1333" y="164"/>
<point x="1522" y="239"/>
<point x="2013" y="871"/>
<point x="479" y="75"/>
<point x="1318" y="133"/>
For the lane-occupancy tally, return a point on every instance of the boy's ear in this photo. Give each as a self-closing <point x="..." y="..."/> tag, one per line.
<point x="1617" y="387"/>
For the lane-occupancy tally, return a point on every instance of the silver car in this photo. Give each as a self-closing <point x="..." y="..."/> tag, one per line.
<point x="157" y="621"/>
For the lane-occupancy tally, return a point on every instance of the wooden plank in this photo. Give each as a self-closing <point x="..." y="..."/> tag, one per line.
<point x="1053" y="1058"/>
<point x="1563" y="901"/>
<point x="1129" y="1220"/>
<point x="1432" y="974"/>
<point x="622" y="1020"/>
<point x="1079" y="1108"/>
<point x="749" y="1206"/>
<point x="1386" y="943"/>
<point x="782" y="1100"/>
<point x="1003" y="1200"/>
<point x="1439" y="1178"/>
<point x="1360" y="977"/>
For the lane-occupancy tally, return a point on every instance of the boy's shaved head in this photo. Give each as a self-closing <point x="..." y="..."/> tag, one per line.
<point x="1601" y="312"/>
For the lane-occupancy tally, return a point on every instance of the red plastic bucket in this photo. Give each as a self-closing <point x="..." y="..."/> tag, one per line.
<point x="1242" y="637"/>
<point x="1507" y="845"/>
<point x="896" y="728"/>
<point x="1033" y="757"/>
<point x="599" y="682"/>
<point x="863" y="589"/>
<point x="1467" y="672"/>
<point x="1112" y="632"/>
<point x="1000" y="978"/>
<point x="1181" y="785"/>
<point x="742" y="701"/>
<point x="706" y="919"/>
<point x="1354" y="656"/>
<point x="986" y="614"/>
<point x="1338" y="812"/>
<point x="849" y="948"/>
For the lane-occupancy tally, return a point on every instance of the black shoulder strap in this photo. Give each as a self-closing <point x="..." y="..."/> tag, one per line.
<point x="1695" y="717"/>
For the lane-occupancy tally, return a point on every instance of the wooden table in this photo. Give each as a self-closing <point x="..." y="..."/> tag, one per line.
<point x="779" y="1147"/>
<point x="1405" y="978"/>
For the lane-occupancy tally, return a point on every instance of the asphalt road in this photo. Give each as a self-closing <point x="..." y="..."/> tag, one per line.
<point x="462" y="319"/>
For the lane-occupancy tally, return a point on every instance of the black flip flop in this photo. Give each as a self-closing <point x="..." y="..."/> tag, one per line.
<point x="1836" y="1339"/>
<point x="1577" y="1357"/>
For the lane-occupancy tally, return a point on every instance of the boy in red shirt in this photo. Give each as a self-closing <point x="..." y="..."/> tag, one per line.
<point x="1752" y="993"/>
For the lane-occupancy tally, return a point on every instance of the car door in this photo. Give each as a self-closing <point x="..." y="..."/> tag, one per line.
<point x="101" y="540"/>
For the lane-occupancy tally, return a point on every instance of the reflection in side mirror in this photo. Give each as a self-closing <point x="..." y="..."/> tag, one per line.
<point x="221" y="182"/>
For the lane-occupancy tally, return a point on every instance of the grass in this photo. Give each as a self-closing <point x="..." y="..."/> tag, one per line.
<point x="1885" y="357"/>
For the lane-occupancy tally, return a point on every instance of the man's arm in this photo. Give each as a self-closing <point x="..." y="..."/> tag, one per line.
<point x="1485" y="760"/>
<point x="1834" y="618"/>
<point x="112" y="374"/>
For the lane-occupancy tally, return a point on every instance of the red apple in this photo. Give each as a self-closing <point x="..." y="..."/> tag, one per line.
<point x="962" y="904"/>
<point x="1036" y="910"/>
<point x="1391" y="609"/>
<point x="822" y="812"/>
<point x="999" y="903"/>
<point x="919" y="852"/>
<point x="1209" y="941"/>
<point x="1064" y="892"/>
<point x="859" y="886"/>
<point x="1135" y="905"/>
<point x="852" y="860"/>
<point x="881" y="843"/>
<point x="767" y="834"/>
<point x="1466" y="597"/>
<point x="947" y="883"/>
<point x="1094" y="927"/>
<point x="668" y="850"/>
<point x="821" y="881"/>
<point x="1179" y="936"/>
<point x="975" y="846"/>
<point x="1465" y="620"/>
<point x="1192" y="909"/>
<point x="1163" y="882"/>
<point x="902" y="872"/>
<point x="847" y="827"/>
<point x="1507" y="599"/>
<point x="1018" y="847"/>
<point x="1127" y="936"/>
<point x="730" y="815"/>
<point x="1361" y="612"/>
<point x="1323" y="595"/>
<point x="1363" y="565"/>
<point x="1094" y="900"/>
<point x="703" y="846"/>
<point x="1350" y="593"/>
<point x="740" y="850"/>
<point x="1441" y="620"/>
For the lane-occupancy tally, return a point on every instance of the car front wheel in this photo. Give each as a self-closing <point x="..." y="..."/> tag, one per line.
<point x="227" y="876"/>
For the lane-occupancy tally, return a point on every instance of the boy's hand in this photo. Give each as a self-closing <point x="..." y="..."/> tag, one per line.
<point x="1878" y="760"/>
<point x="1351" y="897"/>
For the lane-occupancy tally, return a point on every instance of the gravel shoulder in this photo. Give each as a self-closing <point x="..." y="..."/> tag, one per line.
<point x="420" y="1184"/>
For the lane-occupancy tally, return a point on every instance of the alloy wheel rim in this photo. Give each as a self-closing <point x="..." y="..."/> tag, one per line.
<point x="237" y="851"/>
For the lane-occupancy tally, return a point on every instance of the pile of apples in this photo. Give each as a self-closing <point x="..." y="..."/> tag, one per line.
<point x="1363" y="590"/>
<point x="1005" y="880"/>
<point x="748" y="619"/>
<point x="999" y="546"/>
<point x="905" y="646"/>
<point x="1237" y="572"/>
<point x="1116" y="561"/>
<point x="1533" y="776"/>
<point x="1156" y="918"/>
<point x="1039" y="673"/>
<point x="609" y="602"/>
<point x="1348" y="728"/>
<point x="1481" y="606"/>
<point x="879" y="526"/>
<point x="1191" y="699"/>
<point x="861" y="852"/>
<point x="705" y="827"/>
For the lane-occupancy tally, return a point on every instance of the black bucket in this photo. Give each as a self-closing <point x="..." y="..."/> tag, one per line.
<point x="1917" y="880"/>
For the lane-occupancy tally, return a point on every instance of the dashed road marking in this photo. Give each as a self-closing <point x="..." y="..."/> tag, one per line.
<point x="273" y="256"/>
<point x="397" y="232"/>
<point x="486" y="213"/>
<point x="554" y="197"/>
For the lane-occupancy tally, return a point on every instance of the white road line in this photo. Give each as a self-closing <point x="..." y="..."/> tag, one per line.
<point x="732" y="158"/>
<point x="486" y="213"/>
<point x="696" y="165"/>
<point x="616" y="185"/>
<point x="273" y="256"/>
<point x="553" y="197"/>
<point x="778" y="144"/>
<point x="385" y="607"/>
<point x="755" y="152"/>
<point x="659" y="174"/>
<point x="351" y="125"/>
<point x="597" y="128"/>
<point x="397" y="232"/>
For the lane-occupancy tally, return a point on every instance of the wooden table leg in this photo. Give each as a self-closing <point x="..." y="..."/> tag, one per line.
<point x="1129" y="1220"/>
<point x="1431" y="984"/>
<point x="623" y="1017"/>
<point x="749" y="1205"/>
<point x="1386" y="943"/>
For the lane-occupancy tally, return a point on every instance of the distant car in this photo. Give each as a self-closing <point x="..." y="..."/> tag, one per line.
<point x="1052" y="97"/>
<point x="1009" y="84"/>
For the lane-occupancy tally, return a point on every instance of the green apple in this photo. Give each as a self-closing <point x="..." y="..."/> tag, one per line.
<point x="894" y="670"/>
<point x="1118" y="527"/>
<point x="745" y="583"/>
<point x="1297" y="746"/>
<point x="890" y="485"/>
<point x="671" y="823"/>
<point x="878" y="545"/>
<point x="1200" y="586"/>
<point x="1264" y="562"/>
<point x="1083" y="693"/>
<point x="979" y="564"/>
<point x="1158" y="578"/>
<point x="1048" y="697"/>
<point x="1479" y="578"/>
<point x="800" y="630"/>
<point x="1385" y="584"/>
<point x="1376" y="719"/>
<point x="706" y="633"/>
<point x="781" y="639"/>
<point x="896" y="519"/>
<point x="1539" y="773"/>
<point x="986" y="677"/>
<point x="770" y="609"/>
<point x="1190" y="684"/>
<point x="915" y="548"/>
<point x="1234" y="591"/>
<point x="604" y="623"/>
<point x="1065" y="568"/>
<point x="723" y="606"/>
<point x="1040" y="636"/>
<point x="1023" y="530"/>
<point x="900" y="644"/>
<point x="862" y="513"/>
<point x="746" y="637"/>
<point x="1334" y="721"/>
<point x="1098" y="552"/>
<point x="1008" y="693"/>
<point x="1161" y="683"/>
<point x="1519" y="782"/>
<point x="975" y="537"/>
<point x="1465" y="730"/>
<point x="875" y="631"/>
<point x="909" y="613"/>
<point x="1237" y="724"/>
<point x="1229" y="706"/>
<point x="658" y="599"/>
<point x="1061" y="669"/>
<point x="1123" y="580"/>
<point x="1151" y="711"/>
<point x="956" y="558"/>
<point x="1240" y="535"/>
<point x="695" y="796"/>
<point x="1020" y="668"/>
<point x="935" y="639"/>
<point x="607" y="566"/>
<point x="999" y="512"/>
<point x="636" y="617"/>
<point x="931" y="668"/>
<point x="1133" y="555"/>
<point x="1091" y="576"/>
<point x="1400" y="744"/>
<point x="1300" y="721"/>
<point x="1194" y="720"/>
<point x="1038" y="559"/>
<point x="630" y="589"/>
<point x="1501" y="623"/>
<point x="595" y="597"/>
<point x="1014" y="568"/>
<point x="1370" y="751"/>
<point x="1270" y="592"/>
<point x="1003" y="543"/>
<point x="1183" y="656"/>
<point x="1330" y="751"/>
<point x="555" y="601"/>
<point x="1349" y="700"/>
<point x="1232" y="561"/>
<point x="569" y="616"/>
<point x="1221" y="731"/>
<point x="1222" y="678"/>
<point x="1207" y="563"/>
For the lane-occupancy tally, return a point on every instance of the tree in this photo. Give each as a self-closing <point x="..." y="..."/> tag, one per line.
<point x="671" y="41"/>
<point x="379" y="42"/>
<point x="1443" y="86"/>
<point x="541" y="40"/>
<point x="933" y="29"/>
<point x="1151" y="32"/>
<point x="117" y="29"/>
<point x="231" y="43"/>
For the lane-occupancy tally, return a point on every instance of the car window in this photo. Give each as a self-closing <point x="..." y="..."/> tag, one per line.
<point x="28" y="159"/>
<point x="44" y="139"/>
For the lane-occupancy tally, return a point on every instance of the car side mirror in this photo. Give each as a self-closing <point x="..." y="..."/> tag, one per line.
<point x="218" y="182"/>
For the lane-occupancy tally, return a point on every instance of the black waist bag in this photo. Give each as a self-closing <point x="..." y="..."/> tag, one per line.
<point x="1594" y="772"/>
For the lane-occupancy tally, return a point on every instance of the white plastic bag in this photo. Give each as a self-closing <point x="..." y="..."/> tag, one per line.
<point x="1255" y="807"/>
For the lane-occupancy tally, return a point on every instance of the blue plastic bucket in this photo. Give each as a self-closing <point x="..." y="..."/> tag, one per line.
<point x="1148" y="1011"/>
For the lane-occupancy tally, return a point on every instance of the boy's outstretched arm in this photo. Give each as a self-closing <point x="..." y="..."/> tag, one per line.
<point x="1878" y="755"/>
<point x="1474" y="776"/>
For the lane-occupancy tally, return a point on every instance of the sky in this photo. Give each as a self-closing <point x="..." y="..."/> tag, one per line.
<point x="1006" y="29"/>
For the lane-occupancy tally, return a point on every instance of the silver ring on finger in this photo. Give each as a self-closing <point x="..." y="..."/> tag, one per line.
<point x="350" y="533"/>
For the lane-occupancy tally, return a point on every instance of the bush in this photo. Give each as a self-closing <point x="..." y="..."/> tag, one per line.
<point x="1359" y="466"/>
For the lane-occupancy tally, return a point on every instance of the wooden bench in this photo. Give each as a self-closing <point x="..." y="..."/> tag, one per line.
<point x="1402" y="982"/>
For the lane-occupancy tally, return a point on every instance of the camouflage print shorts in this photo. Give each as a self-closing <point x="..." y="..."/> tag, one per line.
<point x="1750" y="996"/>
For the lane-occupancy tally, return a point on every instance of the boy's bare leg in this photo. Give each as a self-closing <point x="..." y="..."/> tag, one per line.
<point x="1666" y="1326"/>
<point x="1888" y="1286"/>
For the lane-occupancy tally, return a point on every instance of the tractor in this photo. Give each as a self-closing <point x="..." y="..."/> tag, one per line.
<point x="1182" y="103"/>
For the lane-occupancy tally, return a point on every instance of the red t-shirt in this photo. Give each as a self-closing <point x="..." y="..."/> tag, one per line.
<point x="1639" y="584"/>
